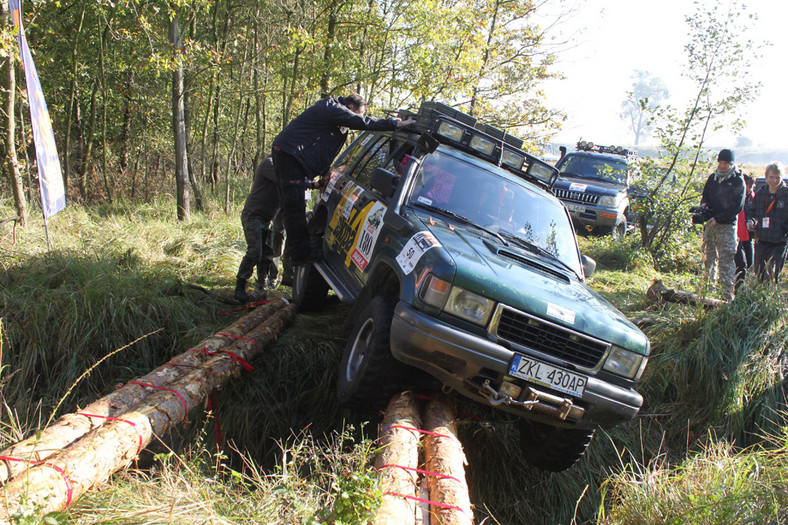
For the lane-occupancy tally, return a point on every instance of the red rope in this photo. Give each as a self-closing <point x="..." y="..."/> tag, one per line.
<point x="136" y="428"/>
<point x="428" y="432"/>
<point x="422" y="500"/>
<point x="69" y="487"/>
<point x="239" y="337"/>
<point x="246" y="307"/>
<point x="235" y="357"/>
<point x="185" y="405"/>
<point x="213" y="406"/>
<point x="425" y="472"/>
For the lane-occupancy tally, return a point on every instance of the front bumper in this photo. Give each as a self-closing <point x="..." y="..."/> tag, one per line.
<point x="590" y="216"/>
<point x="465" y="361"/>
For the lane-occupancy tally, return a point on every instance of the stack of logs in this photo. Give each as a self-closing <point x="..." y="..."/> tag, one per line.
<point x="436" y="493"/>
<point x="81" y="450"/>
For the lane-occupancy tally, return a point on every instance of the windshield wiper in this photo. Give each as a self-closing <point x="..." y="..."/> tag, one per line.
<point x="528" y="245"/>
<point x="460" y="218"/>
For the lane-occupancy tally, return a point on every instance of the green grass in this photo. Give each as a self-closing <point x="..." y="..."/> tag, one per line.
<point x="714" y="386"/>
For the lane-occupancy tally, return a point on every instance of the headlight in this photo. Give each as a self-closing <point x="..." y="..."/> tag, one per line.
<point x="625" y="363"/>
<point x="456" y="301"/>
<point x="469" y="306"/>
<point x="611" y="201"/>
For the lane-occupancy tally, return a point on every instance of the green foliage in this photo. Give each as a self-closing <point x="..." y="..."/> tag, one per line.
<point x="719" y="485"/>
<point x="716" y="51"/>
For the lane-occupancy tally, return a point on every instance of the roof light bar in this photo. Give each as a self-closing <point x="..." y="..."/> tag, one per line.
<point x="615" y="150"/>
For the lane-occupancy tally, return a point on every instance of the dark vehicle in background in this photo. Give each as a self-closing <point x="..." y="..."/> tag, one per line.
<point x="593" y="183"/>
<point x="461" y="264"/>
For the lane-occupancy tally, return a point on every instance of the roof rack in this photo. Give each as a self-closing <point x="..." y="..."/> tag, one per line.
<point x="451" y="126"/>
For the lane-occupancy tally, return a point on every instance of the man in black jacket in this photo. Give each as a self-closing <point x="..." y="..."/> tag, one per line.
<point x="767" y="217"/>
<point x="305" y="149"/>
<point x="723" y="194"/>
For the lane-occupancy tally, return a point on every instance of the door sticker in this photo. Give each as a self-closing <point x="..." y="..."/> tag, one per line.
<point x="368" y="234"/>
<point x="414" y="249"/>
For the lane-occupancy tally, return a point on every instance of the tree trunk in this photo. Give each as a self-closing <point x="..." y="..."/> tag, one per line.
<point x="125" y="133"/>
<point x="71" y="100"/>
<point x="397" y="461"/>
<point x="72" y="427"/>
<point x="87" y="158"/>
<point x="9" y="124"/>
<point x="235" y="132"/>
<point x="444" y="457"/>
<point x="91" y="460"/>
<point x="104" y="102"/>
<point x="179" y="125"/>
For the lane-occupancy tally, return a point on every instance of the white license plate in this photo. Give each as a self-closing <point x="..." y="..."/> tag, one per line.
<point x="575" y="207"/>
<point x="547" y="375"/>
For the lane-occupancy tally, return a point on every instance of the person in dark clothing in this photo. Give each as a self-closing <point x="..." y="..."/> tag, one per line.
<point x="767" y="218"/>
<point x="305" y="149"/>
<point x="723" y="194"/>
<point x="744" y="253"/>
<point x="260" y="208"/>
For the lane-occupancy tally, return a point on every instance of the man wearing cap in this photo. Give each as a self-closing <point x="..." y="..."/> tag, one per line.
<point x="723" y="195"/>
<point x="306" y="148"/>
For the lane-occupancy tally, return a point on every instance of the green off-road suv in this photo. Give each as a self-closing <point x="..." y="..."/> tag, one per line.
<point x="462" y="264"/>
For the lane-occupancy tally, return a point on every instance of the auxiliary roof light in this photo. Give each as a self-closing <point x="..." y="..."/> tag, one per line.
<point x="512" y="159"/>
<point x="482" y="145"/>
<point x="540" y="172"/>
<point x="450" y="131"/>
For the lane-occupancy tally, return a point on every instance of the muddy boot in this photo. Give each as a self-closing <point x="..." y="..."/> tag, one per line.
<point x="240" y="291"/>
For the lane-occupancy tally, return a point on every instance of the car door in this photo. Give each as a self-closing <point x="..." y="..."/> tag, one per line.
<point x="356" y="220"/>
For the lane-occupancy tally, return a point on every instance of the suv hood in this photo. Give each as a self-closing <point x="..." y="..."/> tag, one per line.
<point x="593" y="186"/>
<point x="533" y="284"/>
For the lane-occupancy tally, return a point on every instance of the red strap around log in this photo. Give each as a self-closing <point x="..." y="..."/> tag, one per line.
<point x="136" y="428"/>
<point x="69" y="488"/>
<point x="185" y="405"/>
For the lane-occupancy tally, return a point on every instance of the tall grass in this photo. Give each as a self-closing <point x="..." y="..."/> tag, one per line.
<point x="715" y="384"/>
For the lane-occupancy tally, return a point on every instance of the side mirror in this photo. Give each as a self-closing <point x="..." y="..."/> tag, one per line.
<point x="384" y="182"/>
<point x="589" y="265"/>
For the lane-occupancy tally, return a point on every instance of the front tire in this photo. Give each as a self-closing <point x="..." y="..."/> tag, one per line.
<point x="552" y="448"/>
<point x="368" y="374"/>
<point x="619" y="230"/>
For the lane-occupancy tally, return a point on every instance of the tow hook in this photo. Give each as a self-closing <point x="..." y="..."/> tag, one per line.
<point x="560" y="407"/>
<point x="496" y="398"/>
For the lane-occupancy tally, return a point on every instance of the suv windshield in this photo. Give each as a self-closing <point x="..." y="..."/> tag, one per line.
<point x="496" y="202"/>
<point x="610" y="170"/>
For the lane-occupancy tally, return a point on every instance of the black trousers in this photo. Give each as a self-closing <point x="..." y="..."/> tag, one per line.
<point x="260" y="238"/>
<point x="743" y="259"/>
<point x="292" y="185"/>
<point x="769" y="260"/>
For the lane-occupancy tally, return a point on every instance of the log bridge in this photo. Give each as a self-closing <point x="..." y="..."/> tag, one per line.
<point x="82" y="450"/>
<point x="436" y="494"/>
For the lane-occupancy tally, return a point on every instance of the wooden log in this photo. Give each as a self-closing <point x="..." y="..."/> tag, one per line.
<point x="397" y="461"/>
<point x="658" y="292"/>
<point x="445" y="457"/>
<point x="422" y="508"/>
<point x="71" y="427"/>
<point x="91" y="460"/>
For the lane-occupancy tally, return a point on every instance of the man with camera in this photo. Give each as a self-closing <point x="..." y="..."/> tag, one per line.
<point x="721" y="202"/>
<point x="767" y="217"/>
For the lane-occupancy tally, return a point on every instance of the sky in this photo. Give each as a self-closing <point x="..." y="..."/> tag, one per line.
<point x="610" y="39"/>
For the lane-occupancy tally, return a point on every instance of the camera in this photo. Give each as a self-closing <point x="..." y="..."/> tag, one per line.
<point x="701" y="214"/>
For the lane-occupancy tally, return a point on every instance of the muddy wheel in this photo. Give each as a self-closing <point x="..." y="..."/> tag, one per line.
<point x="368" y="374"/>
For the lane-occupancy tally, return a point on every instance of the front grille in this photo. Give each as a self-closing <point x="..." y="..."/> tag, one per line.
<point x="576" y="196"/>
<point x="549" y="338"/>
